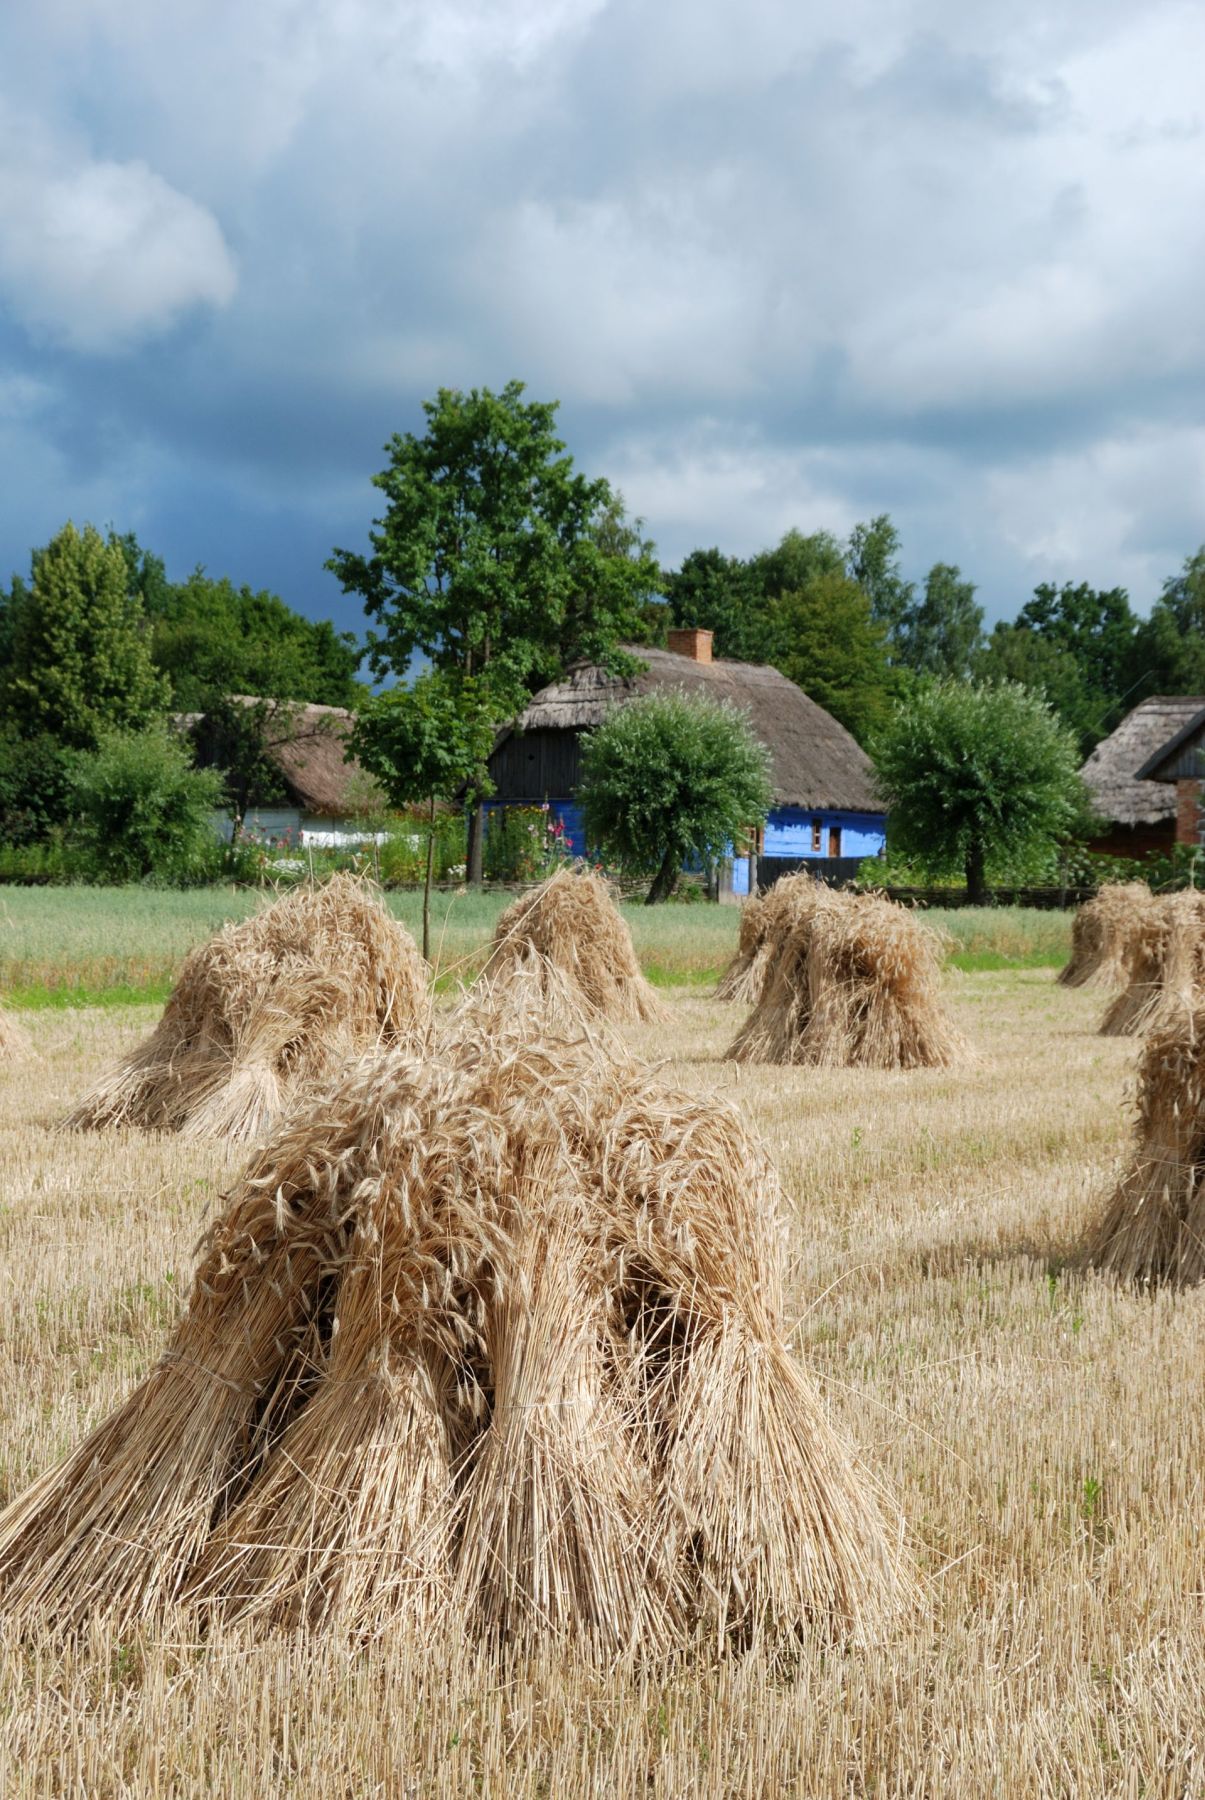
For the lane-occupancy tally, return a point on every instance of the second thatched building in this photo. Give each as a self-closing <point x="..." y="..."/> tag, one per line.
<point x="825" y="814"/>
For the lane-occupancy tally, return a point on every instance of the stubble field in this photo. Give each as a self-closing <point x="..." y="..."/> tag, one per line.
<point x="1041" y="1432"/>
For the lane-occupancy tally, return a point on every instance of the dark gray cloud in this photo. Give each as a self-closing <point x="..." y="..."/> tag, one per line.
<point x="781" y="265"/>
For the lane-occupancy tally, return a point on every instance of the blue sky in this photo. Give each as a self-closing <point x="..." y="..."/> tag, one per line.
<point x="781" y="265"/>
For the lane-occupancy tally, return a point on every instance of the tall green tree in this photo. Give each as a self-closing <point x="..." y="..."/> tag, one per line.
<point x="1017" y="653"/>
<point x="872" y="559"/>
<point x="212" y="639"/>
<point x="832" y="647"/>
<point x="426" y="742"/>
<point x="1096" y="626"/>
<point x="723" y="595"/>
<point x="79" y="651"/>
<point x="670" y="777"/>
<point x="940" y="633"/>
<point x="797" y="559"/>
<point x="970" y="771"/>
<point x="1168" y="652"/>
<point x="487" y="559"/>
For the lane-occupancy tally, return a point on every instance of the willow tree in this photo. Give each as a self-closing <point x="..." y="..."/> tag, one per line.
<point x="672" y="778"/>
<point x="970" y="771"/>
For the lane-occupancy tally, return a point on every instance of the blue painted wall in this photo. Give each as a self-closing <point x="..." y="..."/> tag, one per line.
<point x="789" y="832"/>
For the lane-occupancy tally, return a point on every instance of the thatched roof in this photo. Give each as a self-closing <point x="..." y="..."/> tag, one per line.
<point x="1111" y="772"/>
<point x="1182" y="755"/>
<point x="307" y="741"/>
<point x="814" y="761"/>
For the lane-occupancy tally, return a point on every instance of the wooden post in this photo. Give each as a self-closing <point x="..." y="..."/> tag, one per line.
<point x="427" y="884"/>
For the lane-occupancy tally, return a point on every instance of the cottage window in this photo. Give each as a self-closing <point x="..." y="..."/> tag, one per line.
<point x="815" y="834"/>
<point x="834" y="840"/>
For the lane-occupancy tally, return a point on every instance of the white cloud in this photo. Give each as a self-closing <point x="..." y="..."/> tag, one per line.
<point x="97" y="254"/>
<point x="1121" y="512"/>
<point x="784" y="265"/>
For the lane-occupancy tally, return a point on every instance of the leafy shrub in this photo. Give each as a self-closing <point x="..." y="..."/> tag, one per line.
<point x="669" y="779"/>
<point x="35" y="787"/>
<point x="402" y="858"/>
<point x="144" y="813"/>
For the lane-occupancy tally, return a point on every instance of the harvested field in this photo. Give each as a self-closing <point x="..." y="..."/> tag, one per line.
<point x="14" y="1039"/>
<point x="1042" y="1428"/>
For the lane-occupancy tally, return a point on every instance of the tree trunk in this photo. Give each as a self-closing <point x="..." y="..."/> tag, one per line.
<point x="976" y="873"/>
<point x="665" y="880"/>
<point x="427" y="884"/>
<point x="476" y="867"/>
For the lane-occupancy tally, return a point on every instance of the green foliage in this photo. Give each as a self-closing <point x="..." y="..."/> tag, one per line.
<point x="402" y="858"/>
<point x="668" y="778"/>
<point x="523" y="843"/>
<point x="494" y="554"/>
<point x="817" y="612"/>
<point x="1018" y="653"/>
<point x="834" y="649"/>
<point x="970" y="771"/>
<point x="79" y="657"/>
<point x="940" y="633"/>
<point x="796" y="562"/>
<point x="426" y="740"/>
<point x="1168" y="653"/>
<point x="143" y="811"/>
<point x="35" y="787"/>
<point x="872" y="559"/>
<point x="723" y="595"/>
<point x="212" y="639"/>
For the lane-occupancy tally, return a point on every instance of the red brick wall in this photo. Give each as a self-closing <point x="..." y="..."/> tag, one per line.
<point x="691" y="641"/>
<point x="1188" y="810"/>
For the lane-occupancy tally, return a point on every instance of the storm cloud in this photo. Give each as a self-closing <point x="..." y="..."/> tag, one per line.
<point x="781" y="266"/>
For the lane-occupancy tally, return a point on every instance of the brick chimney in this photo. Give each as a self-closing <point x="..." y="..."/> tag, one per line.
<point x="691" y="642"/>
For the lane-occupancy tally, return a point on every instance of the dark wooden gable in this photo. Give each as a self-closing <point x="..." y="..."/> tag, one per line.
<point x="537" y="765"/>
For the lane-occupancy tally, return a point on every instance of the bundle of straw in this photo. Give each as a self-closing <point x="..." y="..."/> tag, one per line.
<point x="766" y="920"/>
<point x="857" y="985"/>
<point x="500" y="1331"/>
<point x="1165" y="965"/>
<point x="571" y="924"/>
<point x="1101" y="933"/>
<point x="265" y="1009"/>
<point x="1153" y="1227"/>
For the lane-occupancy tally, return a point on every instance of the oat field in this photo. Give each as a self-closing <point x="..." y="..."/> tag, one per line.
<point x="1041" y="1432"/>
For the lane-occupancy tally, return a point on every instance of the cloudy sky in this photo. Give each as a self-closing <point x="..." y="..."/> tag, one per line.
<point x="782" y="264"/>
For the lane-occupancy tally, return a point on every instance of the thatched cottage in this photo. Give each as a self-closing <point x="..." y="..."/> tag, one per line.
<point x="1135" y="776"/>
<point x="318" y="789"/>
<point x="825" y="811"/>
<point x="1181" y="764"/>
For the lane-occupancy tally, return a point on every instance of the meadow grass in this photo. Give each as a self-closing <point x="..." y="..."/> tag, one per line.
<point x="1042" y="1430"/>
<point x="82" y="946"/>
